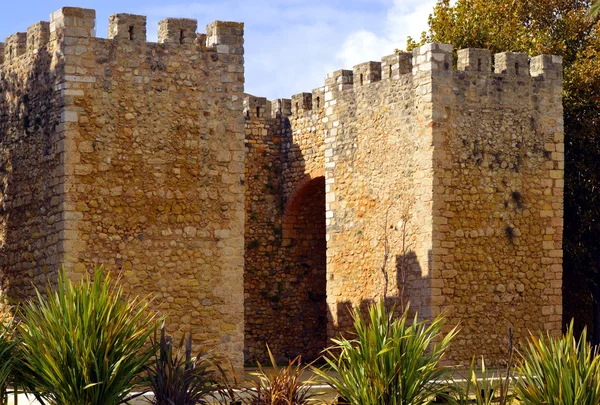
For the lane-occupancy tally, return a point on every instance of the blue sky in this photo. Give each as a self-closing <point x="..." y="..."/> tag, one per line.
<point x="290" y="44"/>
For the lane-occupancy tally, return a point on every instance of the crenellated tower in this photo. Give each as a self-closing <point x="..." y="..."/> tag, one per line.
<point x="129" y="154"/>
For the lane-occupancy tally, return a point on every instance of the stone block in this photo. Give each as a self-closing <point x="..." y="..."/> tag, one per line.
<point x="129" y="27"/>
<point x="474" y="60"/>
<point x="511" y="63"/>
<point x="177" y="31"/>
<point x="73" y="22"/>
<point x="366" y="73"/>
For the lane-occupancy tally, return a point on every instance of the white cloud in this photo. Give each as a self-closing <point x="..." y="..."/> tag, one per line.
<point x="290" y="45"/>
<point x="404" y="18"/>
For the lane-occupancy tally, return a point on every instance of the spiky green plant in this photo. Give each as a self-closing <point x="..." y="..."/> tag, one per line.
<point x="391" y="361"/>
<point x="8" y="356"/>
<point x="85" y="343"/>
<point x="178" y="378"/>
<point x="485" y="389"/>
<point x="281" y="386"/>
<point x="561" y="371"/>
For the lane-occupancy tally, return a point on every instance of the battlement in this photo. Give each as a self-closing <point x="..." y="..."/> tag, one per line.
<point x="129" y="27"/>
<point x="15" y="46"/>
<point x="256" y="107"/>
<point x="427" y="60"/>
<point x="38" y="35"/>
<point x="73" y="22"/>
<point x="177" y="31"/>
<point x="281" y="107"/>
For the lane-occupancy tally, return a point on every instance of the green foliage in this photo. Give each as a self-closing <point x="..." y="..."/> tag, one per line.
<point x="281" y="386"/>
<point x="85" y="343"/>
<point x="483" y="390"/>
<point x="391" y="361"/>
<point x="559" y="371"/>
<point x="8" y="357"/>
<point x="177" y="378"/>
<point x="594" y="9"/>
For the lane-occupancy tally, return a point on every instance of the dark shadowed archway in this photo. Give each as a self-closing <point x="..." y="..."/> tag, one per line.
<point x="304" y="245"/>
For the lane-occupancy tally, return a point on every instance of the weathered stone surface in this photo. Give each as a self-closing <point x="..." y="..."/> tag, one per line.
<point x="449" y="184"/>
<point x="117" y="152"/>
<point x="402" y="178"/>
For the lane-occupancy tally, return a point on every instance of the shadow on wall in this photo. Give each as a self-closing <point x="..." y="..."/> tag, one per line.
<point x="285" y="258"/>
<point x="577" y="302"/>
<point x="29" y="174"/>
<point x="410" y="289"/>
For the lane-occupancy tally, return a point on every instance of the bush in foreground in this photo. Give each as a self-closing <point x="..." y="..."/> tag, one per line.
<point x="178" y="378"/>
<point x="392" y="360"/>
<point x="281" y="386"/>
<point x="562" y="370"/>
<point x="8" y="356"/>
<point x="85" y="343"/>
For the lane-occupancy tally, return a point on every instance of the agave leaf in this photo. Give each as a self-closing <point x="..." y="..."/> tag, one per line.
<point x="282" y="386"/>
<point x="177" y="378"/>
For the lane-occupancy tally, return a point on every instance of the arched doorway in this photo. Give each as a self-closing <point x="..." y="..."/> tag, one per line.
<point x="304" y="248"/>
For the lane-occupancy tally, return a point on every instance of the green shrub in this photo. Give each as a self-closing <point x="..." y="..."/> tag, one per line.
<point x="8" y="357"/>
<point x="282" y="386"/>
<point x="484" y="390"/>
<point x="561" y="370"/>
<point x="391" y="361"/>
<point x="177" y="378"/>
<point x="85" y="343"/>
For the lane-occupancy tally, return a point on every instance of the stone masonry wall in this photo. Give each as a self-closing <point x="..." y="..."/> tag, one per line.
<point x="153" y="162"/>
<point x="31" y="152"/>
<point x="404" y="178"/>
<point x="443" y="189"/>
<point x="284" y="281"/>
<point x="378" y="199"/>
<point x="498" y="197"/>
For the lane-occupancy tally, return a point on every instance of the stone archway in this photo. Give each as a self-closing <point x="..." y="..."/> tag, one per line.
<point x="304" y="248"/>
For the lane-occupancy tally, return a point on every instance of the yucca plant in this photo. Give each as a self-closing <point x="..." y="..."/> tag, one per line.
<point x="281" y="386"/>
<point x="178" y="378"/>
<point x="561" y="371"/>
<point x="85" y="343"/>
<point x="391" y="361"/>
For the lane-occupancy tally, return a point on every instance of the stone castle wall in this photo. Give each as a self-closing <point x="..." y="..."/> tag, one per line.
<point x="255" y="222"/>
<point x="498" y="198"/>
<point x="443" y="188"/>
<point x="151" y="149"/>
<point x="285" y="231"/>
<point x="31" y="153"/>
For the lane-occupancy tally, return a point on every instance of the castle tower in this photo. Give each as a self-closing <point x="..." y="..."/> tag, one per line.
<point x="129" y="154"/>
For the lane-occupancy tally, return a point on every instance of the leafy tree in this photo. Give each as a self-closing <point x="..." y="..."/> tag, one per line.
<point x="595" y="9"/>
<point x="560" y="27"/>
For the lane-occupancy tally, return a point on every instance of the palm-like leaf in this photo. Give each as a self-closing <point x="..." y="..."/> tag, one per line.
<point x="8" y="356"/>
<point x="391" y="361"/>
<point x="85" y="343"/>
<point x="484" y="390"/>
